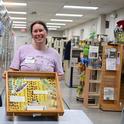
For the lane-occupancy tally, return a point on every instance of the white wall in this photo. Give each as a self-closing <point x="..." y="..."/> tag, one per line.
<point x="88" y="27"/>
<point x="113" y="18"/>
<point x="21" y="38"/>
<point x="25" y="37"/>
<point x="94" y="25"/>
<point x="55" y="33"/>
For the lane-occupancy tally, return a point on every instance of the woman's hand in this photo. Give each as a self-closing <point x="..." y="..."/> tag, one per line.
<point x="4" y="73"/>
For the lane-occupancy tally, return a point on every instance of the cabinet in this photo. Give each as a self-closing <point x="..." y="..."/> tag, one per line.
<point x="92" y="88"/>
<point x="111" y="85"/>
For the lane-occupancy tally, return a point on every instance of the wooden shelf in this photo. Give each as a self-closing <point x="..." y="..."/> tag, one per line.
<point x="92" y="88"/>
<point x="95" y="81"/>
<point x="93" y="94"/>
<point x="93" y="106"/>
<point x="111" y="79"/>
<point x="99" y="82"/>
<point x="91" y="68"/>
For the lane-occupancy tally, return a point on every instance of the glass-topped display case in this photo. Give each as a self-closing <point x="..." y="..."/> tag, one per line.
<point x="6" y="43"/>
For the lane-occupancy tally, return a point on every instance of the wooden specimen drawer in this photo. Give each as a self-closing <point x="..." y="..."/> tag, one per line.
<point x="29" y="93"/>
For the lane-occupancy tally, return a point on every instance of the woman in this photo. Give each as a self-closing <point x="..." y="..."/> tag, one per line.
<point x="37" y="56"/>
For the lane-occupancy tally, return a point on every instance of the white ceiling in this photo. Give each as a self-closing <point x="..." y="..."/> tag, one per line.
<point x="46" y="9"/>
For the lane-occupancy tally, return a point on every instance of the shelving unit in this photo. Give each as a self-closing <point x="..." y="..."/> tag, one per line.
<point x="111" y="94"/>
<point x="104" y="87"/>
<point x="58" y="44"/>
<point x="92" y="88"/>
<point x="74" y="69"/>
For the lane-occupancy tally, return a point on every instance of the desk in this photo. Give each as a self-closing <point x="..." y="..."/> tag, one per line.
<point x="69" y="117"/>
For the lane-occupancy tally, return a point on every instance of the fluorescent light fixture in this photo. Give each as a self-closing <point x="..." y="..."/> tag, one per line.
<point x="70" y="15"/>
<point x="19" y="27"/>
<point x="55" y="23"/>
<point x="80" y="7"/>
<point x="1" y="2"/>
<point x="53" y="26"/>
<point x="19" y="22"/>
<point x="13" y="12"/>
<point x="14" y="4"/>
<point x="18" y="18"/>
<point x="61" y="20"/>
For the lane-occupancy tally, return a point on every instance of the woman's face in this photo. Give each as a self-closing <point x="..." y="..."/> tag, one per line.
<point x="39" y="34"/>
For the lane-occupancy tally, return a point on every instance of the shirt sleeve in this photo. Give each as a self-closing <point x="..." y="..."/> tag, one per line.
<point x="15" y="64"/>
<point x="58" y="65"/>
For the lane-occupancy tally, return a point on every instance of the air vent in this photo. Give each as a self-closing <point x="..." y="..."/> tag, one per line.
<point x="33" y="12"/>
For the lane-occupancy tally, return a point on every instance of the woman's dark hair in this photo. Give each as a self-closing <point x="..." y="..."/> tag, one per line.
<point x="38" y="22"/>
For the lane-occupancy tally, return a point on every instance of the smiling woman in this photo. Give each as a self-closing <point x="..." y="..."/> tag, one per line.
<point x="37" y="56"/>
<point x="39" y="33"/>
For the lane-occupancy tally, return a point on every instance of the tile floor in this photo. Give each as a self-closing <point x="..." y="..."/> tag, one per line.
<point x="97" y="116"/>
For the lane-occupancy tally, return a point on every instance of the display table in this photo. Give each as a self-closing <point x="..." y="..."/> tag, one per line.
<point x="69" y="117"/>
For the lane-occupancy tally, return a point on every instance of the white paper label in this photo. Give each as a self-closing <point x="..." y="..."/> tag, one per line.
<point x="32" y="107"/>
<point x="40" y="92"/>
<point x="108" y="93"/>
<point x="32" y="78"/>
<point x="17" y="99"/>
<point x="29" y="60"/>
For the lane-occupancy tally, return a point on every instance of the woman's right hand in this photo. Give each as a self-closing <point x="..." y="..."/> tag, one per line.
<point x="4" y="75"/>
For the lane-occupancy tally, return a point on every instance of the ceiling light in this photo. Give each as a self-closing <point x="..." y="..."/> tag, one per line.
<point x="19" y="27"/>
<point x="55" y="23"/>
<point x="53" y="26"/>
<point x="13" y="12"/>
<point x="18" y="18"/>
<point x="80" y="7"/>
<point x="61" y="20"/>
<point x="22" y="25"/>
<point x="15" y="4"/>
<point x="19" y="22"/>
<point x="70" y="15"/>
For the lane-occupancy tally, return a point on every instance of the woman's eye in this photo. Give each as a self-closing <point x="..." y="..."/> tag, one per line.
<point x="35" y="31"/>
<point x="40" y="30"/>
